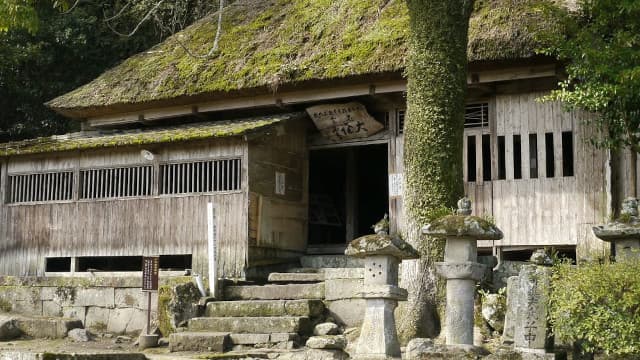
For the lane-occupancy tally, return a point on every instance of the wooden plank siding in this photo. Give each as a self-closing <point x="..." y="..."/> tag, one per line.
<point x="543" y="211"/>
<point x="278" y="222"/>
<point x="135" y="226"/>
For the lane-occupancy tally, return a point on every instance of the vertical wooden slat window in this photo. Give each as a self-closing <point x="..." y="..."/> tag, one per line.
<point x="517" y="157"/>
<point x="549" y="157"/>
<point x="471" y="158"/>
<point x="502" y="166"/>
<point x="200" y="177"/>
<point x="486" y="157"/>
<point x="40" y="187"/>
<point x="567" y="153"/>
<point x="533" y="156"/>
<point x="116" y="182"/>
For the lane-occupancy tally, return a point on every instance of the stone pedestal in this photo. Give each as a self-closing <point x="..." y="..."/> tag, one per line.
<point x="461" y="288"/>
<point x="531" y="331"/>
<point x="624" y="233"/>
<point x="460" y="268"/>
<point x="382" y="254"/>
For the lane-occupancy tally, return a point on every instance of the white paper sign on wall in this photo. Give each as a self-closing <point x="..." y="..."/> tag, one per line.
<point x="281" y="186"/>
<point x="396" y="184"/>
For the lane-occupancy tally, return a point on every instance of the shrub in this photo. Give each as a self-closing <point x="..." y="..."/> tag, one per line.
<point x="597" y="305"/>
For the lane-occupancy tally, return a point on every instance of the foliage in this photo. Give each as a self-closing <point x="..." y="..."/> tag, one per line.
<point x="66" y="51"/>
<point x="602" y="51"/>
<point x="597" y="305"/>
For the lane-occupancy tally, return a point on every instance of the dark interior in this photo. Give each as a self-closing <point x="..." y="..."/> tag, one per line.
<point x="328" y="195"/>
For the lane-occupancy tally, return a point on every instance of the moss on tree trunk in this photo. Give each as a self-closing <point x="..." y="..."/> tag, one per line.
<point x="436" y="89"/>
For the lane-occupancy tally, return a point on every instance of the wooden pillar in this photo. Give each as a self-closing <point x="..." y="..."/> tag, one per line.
<point x="351" y="195"/>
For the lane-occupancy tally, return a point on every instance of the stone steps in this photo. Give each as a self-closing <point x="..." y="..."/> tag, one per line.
<point x="200" y="341"/>
<point x="275" y="292"/>
<point x="264" y="308"/>
<point x="331" y="261"/>
<point x="298" y="277"/>
<point x="252" y="325"/>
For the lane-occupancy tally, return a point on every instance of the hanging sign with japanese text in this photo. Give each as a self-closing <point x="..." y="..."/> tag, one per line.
<point x="150" y="267"/>
<point x="339" y="122"/>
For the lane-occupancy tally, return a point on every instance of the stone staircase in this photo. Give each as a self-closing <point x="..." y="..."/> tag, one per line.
<point x="279" y="314"/>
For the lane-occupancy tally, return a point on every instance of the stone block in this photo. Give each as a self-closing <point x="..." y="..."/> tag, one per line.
<point x="275" y="292"/>
<point x="75" y="312"/>
<point x="339" y="289"/>
<point x="280" y="337"/>
<point x="249" y="339"/>
<point x="315" y="354"/>
<point x="327" y="328"/>
<point x="512" y="310"/>
<point x="97" y="318"/>
<point x="331" y="261"/>
<point x="256" y="325"/>
<point x="327" y="342"/>
<point x="349" y="312"/>
<point x="343" y="273"/>
<point x="51" y="308"/>
<point x="199" y="341"/>
<point x="135" y="298"/>
<point x="425" y="349"/>
<point x="52" y="328"/>
<point x="127" y="320"/>
<point x="241" y="308"/>
<point x="103" y="297"/>
<point x="27" y="307"/>
<point x="296" y="277"/>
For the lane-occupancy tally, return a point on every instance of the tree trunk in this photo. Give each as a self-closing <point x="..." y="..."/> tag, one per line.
<point x="436" y="89"/>
<point x="633" y="189"/>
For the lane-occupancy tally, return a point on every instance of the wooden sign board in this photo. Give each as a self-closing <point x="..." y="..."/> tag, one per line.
<point x="150" y="267"/>
<point x="339" y="122"/>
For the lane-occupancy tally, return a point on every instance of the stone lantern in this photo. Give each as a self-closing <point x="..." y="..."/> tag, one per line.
<point x="624" y="233"/>
<point x="382" y="254"/>
<point x="460" y="267"/>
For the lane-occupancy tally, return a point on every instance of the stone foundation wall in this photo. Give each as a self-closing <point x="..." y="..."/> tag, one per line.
<point x="342" y="286"/>
<point x="104" y="304"/>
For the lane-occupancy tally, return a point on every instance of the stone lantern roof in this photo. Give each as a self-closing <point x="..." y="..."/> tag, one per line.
<point x="463" y="225"/>
<point x="627" y="226"/>
<point x="380" y="244"/>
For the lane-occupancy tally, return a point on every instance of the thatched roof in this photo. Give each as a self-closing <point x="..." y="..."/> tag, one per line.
<point x="115" y="138"/>
<point x="271" y="43"/>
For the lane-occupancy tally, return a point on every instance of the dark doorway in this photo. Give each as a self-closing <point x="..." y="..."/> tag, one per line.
<point x="348" y="190"/>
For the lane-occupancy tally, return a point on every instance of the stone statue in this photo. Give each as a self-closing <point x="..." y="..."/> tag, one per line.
<point x="382" y="226"/>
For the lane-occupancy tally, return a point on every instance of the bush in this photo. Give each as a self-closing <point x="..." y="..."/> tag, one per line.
<point x="598" y="306"/>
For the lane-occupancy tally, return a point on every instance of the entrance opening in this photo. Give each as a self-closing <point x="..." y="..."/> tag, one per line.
<point x="348" y="190"/>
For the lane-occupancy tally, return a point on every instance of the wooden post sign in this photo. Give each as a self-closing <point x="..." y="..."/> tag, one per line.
<point x="339" y="122"/>
<point x="150" y="266"/>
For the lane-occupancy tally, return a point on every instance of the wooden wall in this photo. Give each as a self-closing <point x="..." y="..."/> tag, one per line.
<point x="531" y="212"/>
<point x="542" y="211"/>
<point x="155" y="225"/>
<point x="278" y="222"/>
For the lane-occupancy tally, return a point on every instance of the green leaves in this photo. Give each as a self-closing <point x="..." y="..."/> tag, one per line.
<point x="598" y="306"/>
<point x="18" y="14"/>
<point x="602" y="55"/>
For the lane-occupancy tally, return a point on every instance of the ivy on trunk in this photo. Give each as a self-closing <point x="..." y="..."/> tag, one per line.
<point x="436" y="89"/>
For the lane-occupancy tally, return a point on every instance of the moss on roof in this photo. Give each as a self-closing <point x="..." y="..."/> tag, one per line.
<point x="113" y="138"/>
<point x="268" y="43"/>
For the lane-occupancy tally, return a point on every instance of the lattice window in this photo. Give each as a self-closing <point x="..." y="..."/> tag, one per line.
<point x="200" y="176"/>
<point x="476" y="115"/>
<point x="116" y="182"/>
<point x="36" y="187"/>
<point x="400" y="120"/>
